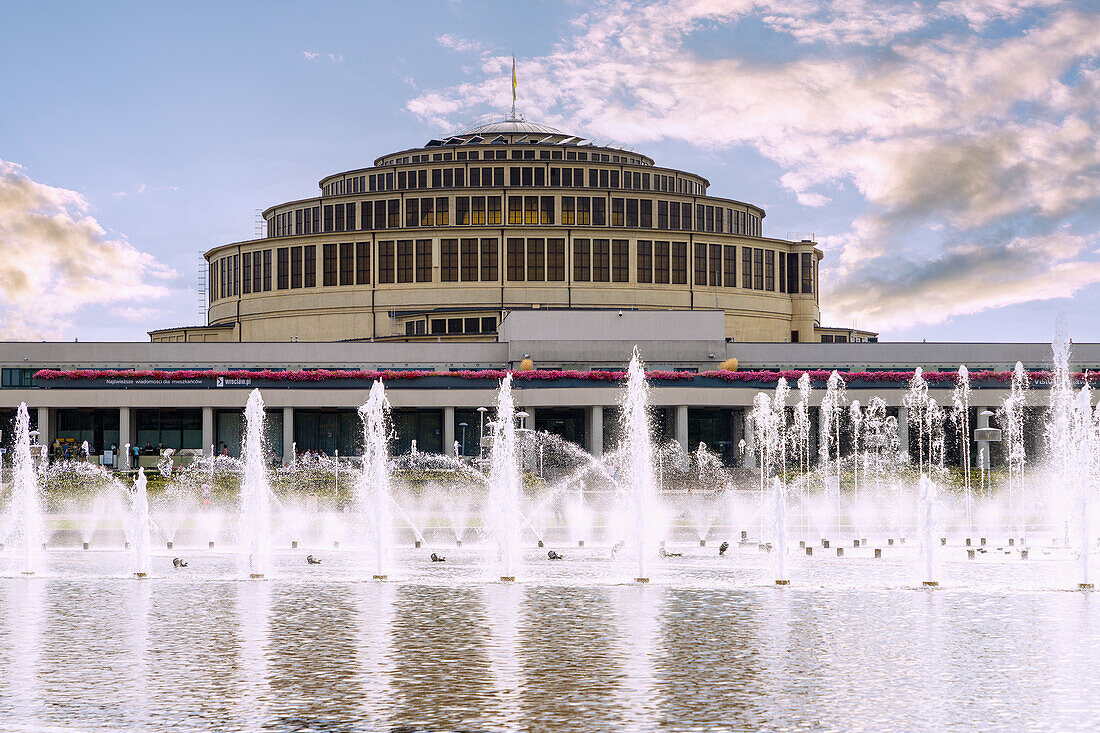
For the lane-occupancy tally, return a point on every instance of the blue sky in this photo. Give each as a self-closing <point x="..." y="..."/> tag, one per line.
<point x="945" y="155"/>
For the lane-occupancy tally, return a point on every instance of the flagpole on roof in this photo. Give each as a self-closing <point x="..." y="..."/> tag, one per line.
<point x="513" y="86"/>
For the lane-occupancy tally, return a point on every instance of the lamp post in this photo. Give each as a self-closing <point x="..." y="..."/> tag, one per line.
<point x="481" y="439"/>
<point x="463" y="426"/>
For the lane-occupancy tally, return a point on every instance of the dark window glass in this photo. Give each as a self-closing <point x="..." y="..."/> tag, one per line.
<point x="246" y="273"/>
<point x="746" y="268"/>
<point x="366" y="215"/>
<point x="489" y="259"/>
<point x="599" y="212"/>
<point x="488" y="324"/>
<point x="267" y="270"/>
<point x="462" y="210"/>
<point x="530" y="209"/>
<point x="582" y="260"/>
<point x="379" y="214"/>
<point x="442" y="206"/>
<point x="448" y="260"/>
<point x="516" y="263"/>
<point x="769" y="270"/>
<point x="284" y="268"/>
<point x="645" y="261"/>
<point x="423" y="260"/>
<point x="526" y="177"/>
<point x="601" y="260"/>
<point x="616" y="212"/>
<point x="700" y="264"/>
<point x="477" y="212"/>
<point x="394" y="214"/>
<point x="647" y="214"/>
<point x="295" y="267"/>
<point x="469" y="260"/>
<point x="792" y="273"/>
<point x="729" y="266"/>
<point x="620" y="261"/>
<point x="329" y="223"/>
<point x="757" y="268"/>
<point x="385" y="262"/>
<point x="514" y="176"/>
<point x="536" y="260"/>
<point x="471" y="325"/>
<point x="632" y="213"/>
<point x="404" y="261"/>
<point x="661" y="261"/>
<point x="427" y="212"/>
<point x="439" y="327"/>
<point x="349" y="218"/>
<point x="454" y="325"/>
<point x="567" y="216"/>
<point x="673" y="215"/>
<point x="584" y="211"/>
<point x="515" y="209"/>
<point x="362" y="263"/>
<point x="347" y="263"/>
<point x="309" y="252"/>
<point x="546" y="214"/>
<point x="685" y="216"/>
<point x="807" y="272"/>
<point x="679" y="263"/>
<point x="328" y="267"/>
<point x="714" y="266"/>
<point x="412" y="212"/>
<point x="555" y="260"/>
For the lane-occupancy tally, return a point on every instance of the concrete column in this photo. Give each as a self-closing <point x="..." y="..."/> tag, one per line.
<point x="595" y="430"/>
<point x="448" y="431"/>
<point x="903" y="430"/>
<point x="288" y="434"/>
<point x="208" y="431"/>
<point x="125" y="435"/>
<point x="47" y="429"/>
<point x="749" y="431"/>
<point x="682" y="427"/>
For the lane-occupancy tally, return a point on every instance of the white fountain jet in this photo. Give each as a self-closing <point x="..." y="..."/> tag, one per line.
<point x="779" y="532"/>
<point x="26" y="502"/>
<point x="927" y="517"/>
<point x="505" y="484"/>
<point x="139" y="527"/>
<point x="373" y="486"/>
<point x="255" y="491"/>
<point x="637" y="468"/>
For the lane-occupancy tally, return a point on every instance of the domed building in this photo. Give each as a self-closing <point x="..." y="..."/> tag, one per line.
<point x="440" y="242"/>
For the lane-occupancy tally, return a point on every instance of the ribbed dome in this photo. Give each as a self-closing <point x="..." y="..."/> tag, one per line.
<point x="511" y="127"/>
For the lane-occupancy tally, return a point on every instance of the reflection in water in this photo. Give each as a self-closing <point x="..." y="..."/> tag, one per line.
<point x="179" y="652"/>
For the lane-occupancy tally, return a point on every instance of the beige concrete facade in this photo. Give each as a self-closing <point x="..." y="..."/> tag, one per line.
<point x="421" y="247"/>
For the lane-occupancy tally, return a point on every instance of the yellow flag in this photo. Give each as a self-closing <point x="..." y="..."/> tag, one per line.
<point x="513" y="78"/>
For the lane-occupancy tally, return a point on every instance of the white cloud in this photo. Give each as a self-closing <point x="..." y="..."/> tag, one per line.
<point x="56" y="259"/>
<point x="322" y="56"/>
<point x="461" y="45"/>
<point x="947" y="132"/>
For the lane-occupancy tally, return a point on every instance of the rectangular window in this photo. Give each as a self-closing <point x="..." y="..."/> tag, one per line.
<point x="498" y="174"/>
<point x="404" y="261"/>
<point x="379" y="214"/>
<point x="582" y="260"/>
<point x="555" y="260"/>
<point x="792" y="273"/>
<point x="349" y="218"/>
<point x="329" y="223"/>
<point x="710" y="218"/>
<point x="530" y="209"/>
<point x="614" y="179"/>
<point x="448" y="177"/>
<point x="460" y="178"/>
<point x="645" y="260"/>
<point x="526" y="178"/>
<point x="489" y="324"/>
<point x="599" y="212"/>
<point x="679" y="263"/>
<point x="475" y="177"/>
<point x="394" y="214"/>
<point x="441" y="212"/>
<point x="515" y="209"/>
<point x="437" y="178"/>
<point x="807" y="273"/>
<point x="620" y="260"/>
<point x="267" y="270"/>
<point x="427" y="212"/>
<point x="469" y="260"/>
<point x="566" y="177"/>
<point x="328" y="266"/>
<point x="674" y="215"/>
<point x="448" y="260"/>
<point x="729" y="266"/>
<point x="339" y="217"/>
<point x="462" y="210"/>
<point x="246" y="273"/>
<point x="536" y="260"/>
<point x="714" y="268"/>
<point x="295" y="267"/>
<point x="685" y="216"/>
<point x="412" y="212"/>
<point x="584" y="212"/>
<point x="516" y="263"/>
<point x="423" y="260"/>
<point x="362" y="263"/>
<point x="700" y="264"/>
<point x="347" y="263"/>
<point x="617" y="212"/>
<point x="662" y="215"/>
<point x="769" y="270"/>
<point x="489" y="260"/>
<point x="546" y="213"/>
<point x="700" y="218"/>
<point x="757" y="268"/>
<point x="284" y="268"/>
<point x="366" y="215"/>
<point x="555" y="177"/>
<point x="661" y="263"/>
<point x="309" y="252"/>
<point x="601" y="260"/>
<point x="647" y="214"/>
<point x="746" y="268"/>
<point x="477" y="215"/>
<point x="632" y="213"/>
<point x="514" y="176"/>
<point x="568" y="218"/>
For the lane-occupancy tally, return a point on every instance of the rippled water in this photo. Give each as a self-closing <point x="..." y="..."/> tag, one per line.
<point x="709" y="645"/>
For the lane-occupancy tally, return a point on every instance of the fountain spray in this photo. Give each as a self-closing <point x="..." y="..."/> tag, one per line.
<point x="926" y="514"/>
<point x="26" y="502"/>
<point x="638" y="462"/>
<point x="255" y="492"/>
<point x="373" y="487"/>
<point x="779" y="536"/>
<point x="505" y="484"/>
<point x="139" y="526"/>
